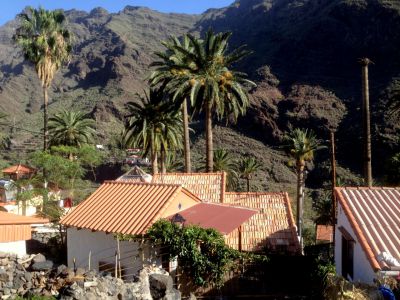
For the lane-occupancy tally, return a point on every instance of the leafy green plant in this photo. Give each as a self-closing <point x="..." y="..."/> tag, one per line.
<point x="202" y="253"/>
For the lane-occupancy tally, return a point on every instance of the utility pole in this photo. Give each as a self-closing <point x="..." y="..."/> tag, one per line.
<point x="366" y="122"/>
<point x="333" y="169"/>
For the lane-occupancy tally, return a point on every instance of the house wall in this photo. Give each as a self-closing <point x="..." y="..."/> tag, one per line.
<point x="181" y="199"/>
<point x="103" y="247"/>
<point x="17" y="247"/>
<point x="362" y="268"/>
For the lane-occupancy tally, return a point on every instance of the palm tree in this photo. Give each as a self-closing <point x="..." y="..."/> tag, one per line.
<point x="300" y="145"/>
<point x="47" y="44"/>
<point x="247" y="166"/>
<point x="172" y="64"/>
<point x="223" y="162"/>
<point x="154" y="125"/>
<point x="206" y="78"/>
<point x="70" y="128"/>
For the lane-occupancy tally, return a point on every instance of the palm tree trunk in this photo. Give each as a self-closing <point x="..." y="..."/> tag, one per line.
<point x="163" y="162"/>
<point x="186" y="138"/>
<point x="45" y="119"/>
<point x="300" y="200"/>
<point x="209" y="139"/>
<point x="248" y="184"/>
<point x="154" y="163"/>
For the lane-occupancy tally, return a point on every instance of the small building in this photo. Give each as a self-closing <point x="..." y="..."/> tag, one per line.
<point x="367" y="234"/>
<point x="118" y="207"/>
<point x="15" y="230"/>
<point x="324" y="233"/>
<point x="19" y="171"/>
<point x="8" y="192"/>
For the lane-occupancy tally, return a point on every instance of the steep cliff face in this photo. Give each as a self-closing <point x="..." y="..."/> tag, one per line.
<point x="304" y="60"/>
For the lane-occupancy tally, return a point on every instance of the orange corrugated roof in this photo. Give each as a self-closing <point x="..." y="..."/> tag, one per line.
<point x="123" y="207"/>
<point x="19" y="169"/>
<point x="272" y="227"/>
<point x="209" y="187"/>
<point x="374" y="214"/>
<point x="13" y="219"/>
<point x="324" y="233"/>
<point x="224" y="218"/>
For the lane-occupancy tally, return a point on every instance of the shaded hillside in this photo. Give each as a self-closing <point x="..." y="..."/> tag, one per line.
<point x="304" y="60"/>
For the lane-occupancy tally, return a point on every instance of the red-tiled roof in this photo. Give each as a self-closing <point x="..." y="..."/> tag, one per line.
<point x="209" y="187"/>
<point x="221" y="217"/>
<point x="19" y="169"/>
<point x="324" y="233"/>
<point x="374" y="214"/>
<point x="272" y="227"/>
<point x="13" y="219"/>
<point x="123" y="207"/>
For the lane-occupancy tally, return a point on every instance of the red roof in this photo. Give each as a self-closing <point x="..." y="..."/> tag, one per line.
<point x="209" y="187"/>
<point x="221" y="217"/>
<point x="123" y="207"/>
<point x="374" y="214"/>
<point x="13" y="219"/>
<point x="271" y="228"/>
<point x="324" y="233"/>
<point x="19" y="169"/>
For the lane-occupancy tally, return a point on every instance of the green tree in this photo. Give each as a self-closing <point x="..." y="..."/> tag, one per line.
<point x="247" y="166"/>
<point x="300" y="145"/>
<point x="224" y="162"/>
<point x="47" y="44"/>
<point x="70" y="128"/>
<point x="154" y="125"/>
<point x="207" y="79"/>
<point x="173" y="64"/>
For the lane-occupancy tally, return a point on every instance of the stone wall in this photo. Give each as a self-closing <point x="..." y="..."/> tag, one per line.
<point x="34" y="275"/>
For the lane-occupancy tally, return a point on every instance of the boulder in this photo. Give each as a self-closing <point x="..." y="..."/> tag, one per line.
<point x="42" y="266"/>
<point x="39" y="258"/>
<point x="159" y="285"/>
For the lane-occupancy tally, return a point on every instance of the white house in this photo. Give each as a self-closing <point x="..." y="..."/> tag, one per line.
<point x="118" y="207"/>
<point x="15" y="230"/>
<point x="367" y="234"/>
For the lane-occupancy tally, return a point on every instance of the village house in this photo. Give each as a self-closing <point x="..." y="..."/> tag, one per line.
<point x="15" y="230"/>
<point x="131" y="208"/>
<point x="367" y="233"/>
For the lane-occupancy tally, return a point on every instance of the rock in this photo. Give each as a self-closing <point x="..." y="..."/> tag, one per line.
<point x="89" y="284"/>
<point x="28" y="276"/>
<point x="4" y="276"/>
<point x="192" y="297"/>
<point x="3" y="254"/>
<point x="6" y="291"/>
<point x="79" y="272"/>
<point x="42" y="266"/>
<point x="173" y="294"/>
<point x="62" y="270"/>
<point x="39" y="258"/>
<point x="160" y="285"/>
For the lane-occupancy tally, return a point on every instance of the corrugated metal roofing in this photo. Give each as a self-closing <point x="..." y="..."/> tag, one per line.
<point x="19" y="169"/>
<point x="272" y="227"/>
<point x="324" y="233"/>
<point x="209" y="187"/>
<point x="374" y="214"/>
<point x="221" y="217"/>
<point x="123" y="207"/>
<point x="13" y="219"/>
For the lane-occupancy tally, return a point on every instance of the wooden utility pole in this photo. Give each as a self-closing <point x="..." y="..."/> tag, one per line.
<point x="366" y="123"/>
<point x="333" y="169"/>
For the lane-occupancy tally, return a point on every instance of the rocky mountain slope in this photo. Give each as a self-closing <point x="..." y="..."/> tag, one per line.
<point x="304" y="60"/>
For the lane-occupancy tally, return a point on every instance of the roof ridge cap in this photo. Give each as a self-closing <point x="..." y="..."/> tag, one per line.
<point x="141" y="183"/>
<point x="191" y="173"/>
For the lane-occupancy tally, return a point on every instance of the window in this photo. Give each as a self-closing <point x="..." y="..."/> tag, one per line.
<point x="347" y="257"/>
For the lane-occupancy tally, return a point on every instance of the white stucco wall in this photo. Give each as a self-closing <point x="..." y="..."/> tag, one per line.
<point x="103" y="247"/>
<point x="18" y="247"/>
<point x="363" y="271"/>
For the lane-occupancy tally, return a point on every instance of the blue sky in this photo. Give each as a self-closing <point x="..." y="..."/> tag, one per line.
<point x="9" y="8"/>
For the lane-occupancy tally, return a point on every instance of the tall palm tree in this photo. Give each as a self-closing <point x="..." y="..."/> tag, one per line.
<point x="154" y="125"/>
<point x="206" y="78"/>
<point x="47" y="44"/>
<point x="223" y="161"/>
<point x="71" y="128"/>
<point x="173" y="64"/>
<point x="300" y="145"/>
<point x="247" y="166"/>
